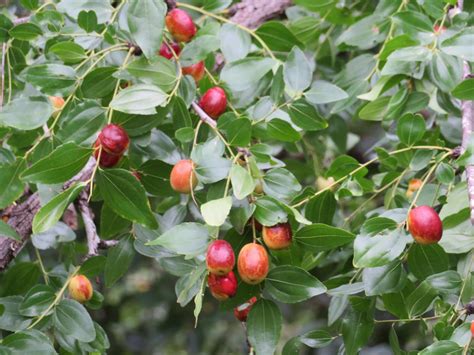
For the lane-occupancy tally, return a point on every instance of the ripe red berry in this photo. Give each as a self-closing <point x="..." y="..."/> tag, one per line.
<point x="107" y="160"/>
<point x="181" y="25"/>
<point x="114" y="139"/>
<point x="195" y="70"/>
<point x="182" y="178"/>
<point x="253" y="263"/>
<point x="425" y="225"/>
<point x="165" y="50"/>
<point x="241" y="312"/>
<point x="222" y="286"/>
<point x="80" y="288"/>
<point x="277" y="236"/>
<point x="220" y="257"/>
<point x="214" y="102"/>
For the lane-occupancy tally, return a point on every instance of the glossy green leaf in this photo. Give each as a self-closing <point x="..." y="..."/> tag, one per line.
<point x="11" y="186"/>
<point x="119" y="259"/>
<point x="323" y="237"/>
<point x="185" y="239"/>
<point x="384" y="279"/>
<point x="291" y="284"/>
<point x="277" y="36"/>
<point x="126" y="196"/>
<point x="7" y="231"/>
<point x="99" y="82"/>
<point x="51" y="79"/>
<point x="68" y="52"/>
<point x="411" y="128"/>
<point x="234" y="42"/>
<point x="34" y="111"/>
<point x="242" y="182"/>
<point x="26" y="32"/>
<point x="264" y="326"/>
<point x="215" y="212"/>
<point x="61" y="165"/>
<point x="465" y="90"/>
<point x="71" y="318"/>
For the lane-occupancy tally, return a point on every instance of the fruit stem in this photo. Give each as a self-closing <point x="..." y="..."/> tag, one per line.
<point x="362" y="166"/>
<point x="223" y="19"/>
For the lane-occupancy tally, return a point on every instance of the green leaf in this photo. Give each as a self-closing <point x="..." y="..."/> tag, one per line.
<point x="242" y="182"/>
<point x="315" y="5"/>
<point x="379" y="250"/>
<point x="442" y="347"/>
<point x="158" y="71"/>
<point x="50" y="213"/>
<point x="140" y="99"/>
<point x="71" y="318"/>
<point x="119" y="259"/>
<point x="297" y="72"/>
<point x="37" y="301"/>
<point x="415" y="21"/>
<point x="25" y="32"/>
<point x="68" y="52"/>
<point x="59" y="166"/>
<point x="323" y="92"/>
<point x="277" y="36"/>
<point x="384" y="279"/>
<point x="181" y="116"/>
<point x="241" y="74"/>
<point x="264" y="326"/>
<point x="33" y="110"/>
<point x="51" y="79"/>
<point x="237" y="130"/>
<point x="11" y="319"/>
<point x="146" y="21"/>
<point x="185" y="239"/>
<point x="73" y="8"/>
<point x="9" y="232"/>
<point x="269" y="213"/>
<point x="281" y="184"/>
<point x="362" y="314"/>
<point x="460" y="45"/>
<point x="306" y="116"/>
<point x="321" y="209"/>
<point x="29" y="342"/>
<point x="282" y="130"/>
<point x="420" y="300"/>
<point x="465" y="90"/>
<point x="198" y="49"/>
<point x="87" y="20"/>
<point x="30" y="4"/>
<point x="316" y="338"/>
<point x="126" y="196"/>
<point x="234" y="42"/>
<point x="445" y="71"/>
<point x="155" y="177"/>
<point x="426" y="260"/>
<point x="411" y="128"/>
<point x="99" y="82"/>
<point x="290" y="284"/>
<point x="321" y="237"/>
<point x="448" y="282"/>
<point x="11" y="187"/>
<point x="82" y="122"/>
<point x="444" y="173"/>
<point x="375" y="110"/>
<point x="215" y="212"/>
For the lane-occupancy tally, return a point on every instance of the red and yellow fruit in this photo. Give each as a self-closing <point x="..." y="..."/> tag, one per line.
<point x="220" y="257"/>
<point x="241" y="312"/>
<point x="195" y="70"/>
<point x="181" y="25"/>
<point x="425" y="225"/>
<point x="413" y="186"/>
<point x="222" y="287"/>
<point x="182" y="178"/>
<point x="278" y="236"/>
<point x="80" y="288"/>
<point x="57" y="102"/>
<point x="166" y="50"/>
<point x="214" y="102"/>
<point x="253" y="263"/>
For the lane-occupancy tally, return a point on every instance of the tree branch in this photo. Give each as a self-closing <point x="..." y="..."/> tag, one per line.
<point x="467" y="109"/>
<point x="20" y="217"/>
<point x="252" y="13"/>
<point x="203" y="115"/>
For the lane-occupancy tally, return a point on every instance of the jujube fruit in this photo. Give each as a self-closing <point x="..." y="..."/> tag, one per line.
<point x="182" y="178"/>
<point x="57" y="102"/>
<point x="241" y="312"/>
<point x="181" y="25"/>
<point x="253" y="263"/>
<point x="107" y="160"/>
<point x="425" y="225"/>
<point x="413" y="186"/>
<point x="278" y="236"/>
<point x="80" y="288"/>
<point x="195" y="70"/>
<point x="214" y="102"/>
<point x="222" y="287"/>
<point x="165" y="50"/>
<point x="220" y="257"/>
<point x="113" y="139"/>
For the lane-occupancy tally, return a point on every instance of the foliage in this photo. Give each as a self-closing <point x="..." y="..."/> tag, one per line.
<point x="332" y="111"/>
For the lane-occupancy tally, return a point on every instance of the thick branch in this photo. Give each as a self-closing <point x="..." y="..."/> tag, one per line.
<point x="252" y="13"/>
<point x="20" y="217"/>
<point x="467" y="109"/>
<point x="93" y="239"/>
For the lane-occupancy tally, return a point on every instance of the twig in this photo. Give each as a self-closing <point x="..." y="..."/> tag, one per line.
<point x="93" y="239"/>
<point x="203" y="116"/>
<point x="19" y="21"/>
<point x="2" y="70"/>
